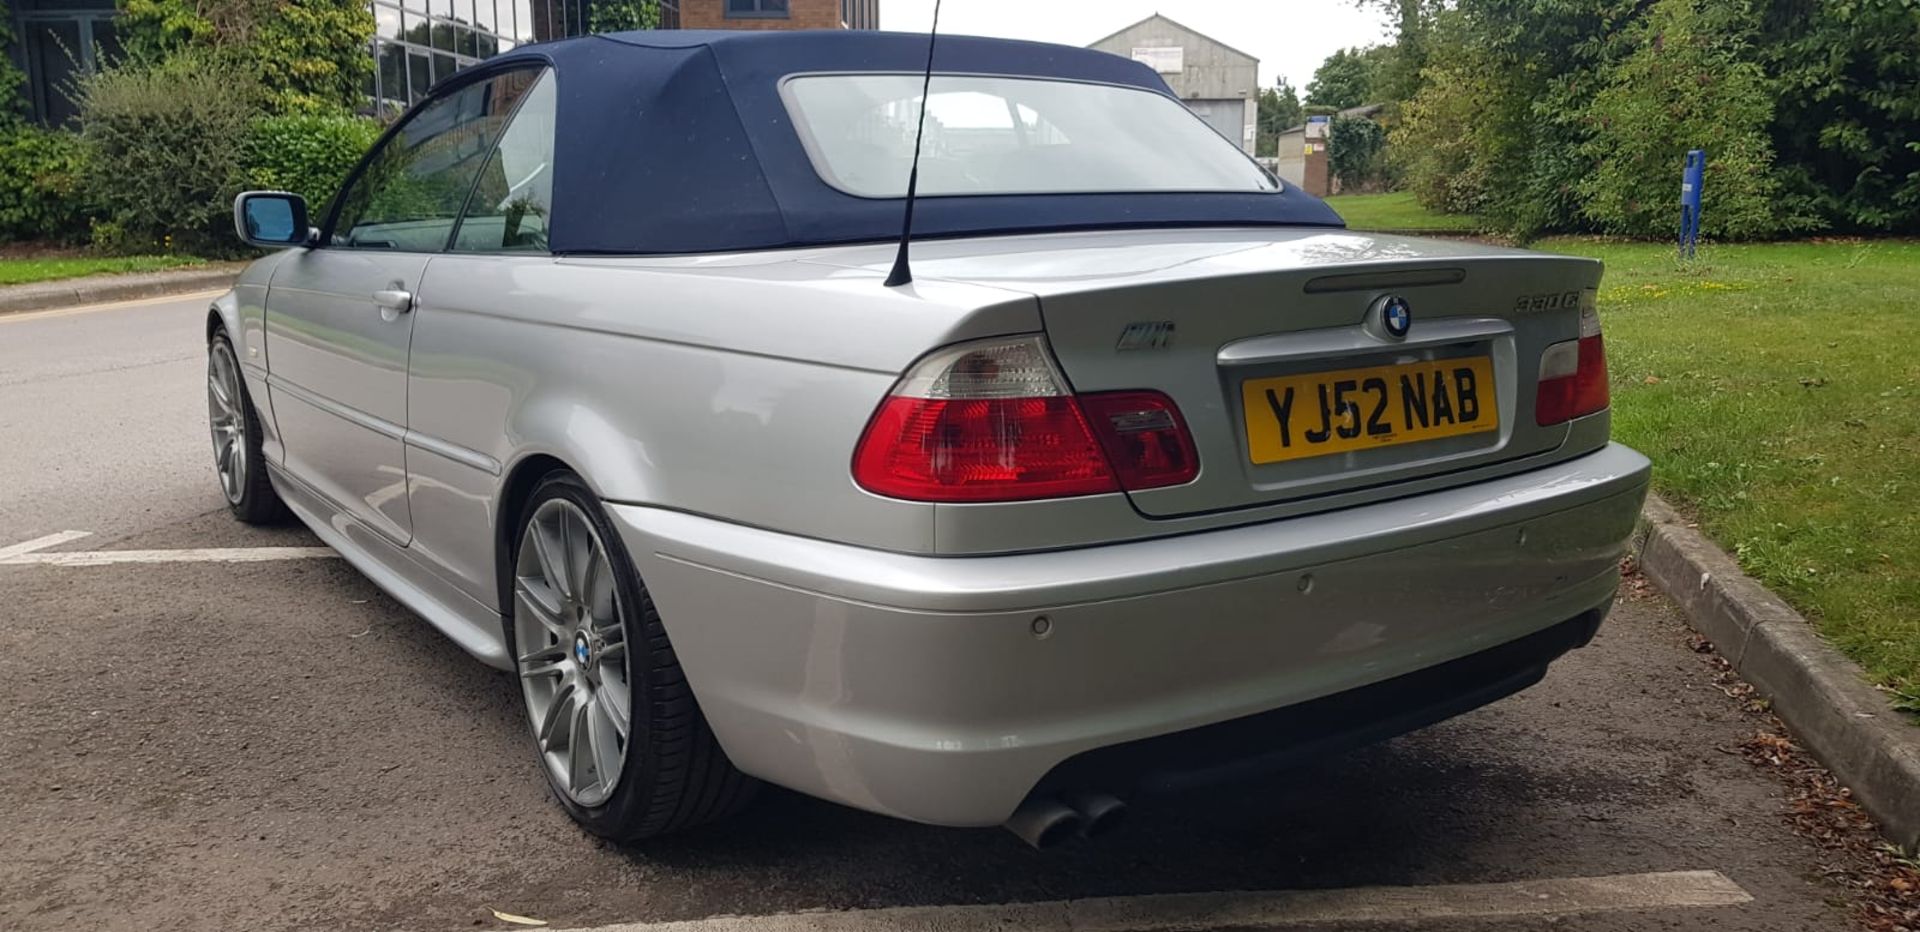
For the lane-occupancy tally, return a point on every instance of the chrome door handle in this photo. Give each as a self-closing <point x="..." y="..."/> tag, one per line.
<point x="394" y="300"/>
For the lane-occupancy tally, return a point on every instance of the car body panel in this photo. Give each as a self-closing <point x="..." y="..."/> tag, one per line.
<point x="242" y="314"/>
<point x="1238" y="305"/>
<point x="469" y="623"/>
<point x="731" y="386"/>
<point x="917" y="686"/>
<point x="338" y="378"/>
<point x="718" y="387"/>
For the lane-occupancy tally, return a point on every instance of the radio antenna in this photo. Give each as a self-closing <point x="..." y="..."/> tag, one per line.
<point x="902" y="274"/>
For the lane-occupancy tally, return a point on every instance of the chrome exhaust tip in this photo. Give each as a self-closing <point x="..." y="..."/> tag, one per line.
<point x="1044" y="823"/>
<point x="1100" y="813"/>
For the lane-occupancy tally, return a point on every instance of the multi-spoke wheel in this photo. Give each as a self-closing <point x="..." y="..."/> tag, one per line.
<point x="574" y="665"/>
<point x="606" y="701"/>
<point x="235" y="427"/>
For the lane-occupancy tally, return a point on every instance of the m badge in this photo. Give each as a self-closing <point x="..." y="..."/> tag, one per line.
<point x="1146" y="335"/>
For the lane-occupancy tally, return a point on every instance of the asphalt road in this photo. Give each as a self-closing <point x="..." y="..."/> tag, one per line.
<point x="278" y="746"/>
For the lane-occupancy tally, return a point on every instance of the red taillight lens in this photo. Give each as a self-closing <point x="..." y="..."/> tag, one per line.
<point x="1573" y="375"/>
<point x="1145" y="438"/>
<point x="993" y="422"/>
<point x="994" y="449"/>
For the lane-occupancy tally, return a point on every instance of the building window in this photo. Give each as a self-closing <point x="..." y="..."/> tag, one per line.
<point x="417" y="43"/>
<point x="57" y="42"/>
<point x="745" y="9"/>
<point x="860" y="14"/>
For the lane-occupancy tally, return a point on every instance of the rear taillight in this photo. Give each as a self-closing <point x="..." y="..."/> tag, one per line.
<point x="1573" y="374"/>
<point x="994" y="421"/>
<point x="1145" y="438"/>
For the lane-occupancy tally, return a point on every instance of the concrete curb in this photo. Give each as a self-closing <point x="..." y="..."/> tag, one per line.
<point x="1821" y="695"/>
<point x="100" y="289"/>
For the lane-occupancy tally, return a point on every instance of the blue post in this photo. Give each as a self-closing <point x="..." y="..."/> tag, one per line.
<point x="1690" y="180"/>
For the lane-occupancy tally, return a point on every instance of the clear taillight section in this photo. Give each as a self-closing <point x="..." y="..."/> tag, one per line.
<point x="994" y="421"/>
<point x="1573" y="374"/>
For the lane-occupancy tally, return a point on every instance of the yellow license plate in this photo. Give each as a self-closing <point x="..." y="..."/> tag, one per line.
<point x="1297" y="416"/>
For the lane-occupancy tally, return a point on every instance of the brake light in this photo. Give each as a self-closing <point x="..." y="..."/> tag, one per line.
<point x="994" y="421"/>
<point x="1145" y="437"/>
<point x="1573" y="374"/>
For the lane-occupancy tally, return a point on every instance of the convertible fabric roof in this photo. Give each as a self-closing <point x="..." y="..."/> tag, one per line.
<point x="677" y="141"/>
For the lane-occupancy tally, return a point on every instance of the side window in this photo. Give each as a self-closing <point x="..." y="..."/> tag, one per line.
<point x="411" y="192"/>
<point x="513" y="199"/>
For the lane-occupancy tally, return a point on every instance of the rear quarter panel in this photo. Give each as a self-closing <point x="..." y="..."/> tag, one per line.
<point x="732" y="388"/>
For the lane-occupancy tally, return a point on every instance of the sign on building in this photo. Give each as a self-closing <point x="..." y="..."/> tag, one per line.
<point x="1165" y="59"/>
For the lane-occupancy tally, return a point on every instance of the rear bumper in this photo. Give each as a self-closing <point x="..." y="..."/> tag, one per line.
<point x="917" y="686"/>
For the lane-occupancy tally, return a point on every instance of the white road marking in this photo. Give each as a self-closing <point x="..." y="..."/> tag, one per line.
<point x="191" y="555"/>
<point x="24" y="316"/>
<point x="1184" y="912"/>
<point x="41" y="543"/>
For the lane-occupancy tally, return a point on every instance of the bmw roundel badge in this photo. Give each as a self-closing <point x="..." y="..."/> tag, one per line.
<point x="1396" y="316"/>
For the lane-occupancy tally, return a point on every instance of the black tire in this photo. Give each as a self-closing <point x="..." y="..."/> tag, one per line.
<point x="256" y="501"/>
<point x="675" y="776"/>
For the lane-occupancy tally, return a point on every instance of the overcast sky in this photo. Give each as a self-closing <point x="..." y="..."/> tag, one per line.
<point x="1290" y="37"/>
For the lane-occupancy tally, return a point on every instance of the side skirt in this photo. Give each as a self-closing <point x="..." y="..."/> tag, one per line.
<point x="476" y="628"/>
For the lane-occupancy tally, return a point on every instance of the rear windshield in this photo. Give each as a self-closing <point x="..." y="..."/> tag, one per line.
<point x="1001" y="135"/>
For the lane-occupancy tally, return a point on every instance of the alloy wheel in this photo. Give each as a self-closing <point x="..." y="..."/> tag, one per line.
<point x="227" y="421"/>
<point x="573" y="662"/>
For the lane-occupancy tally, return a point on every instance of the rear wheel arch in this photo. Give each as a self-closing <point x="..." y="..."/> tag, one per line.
<point x="515" y="492"/>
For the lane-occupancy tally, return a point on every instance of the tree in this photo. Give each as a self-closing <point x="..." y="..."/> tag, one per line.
<point x="310" y="55"/>
<point x="12" y="106"/>
<point x="1345" y="79"/>
<point x="1846" y="108"/>
<point x="1279" y="111"/>
<point x="1688" y="82"/>
<point x="623" y="15"/>
<point x="1354" y="151"/>
<point x="1497" y="125"/>
<point x="1558" y="115"/>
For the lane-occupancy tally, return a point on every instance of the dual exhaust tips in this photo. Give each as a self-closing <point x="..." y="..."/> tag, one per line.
<point x="1049" y="821"/>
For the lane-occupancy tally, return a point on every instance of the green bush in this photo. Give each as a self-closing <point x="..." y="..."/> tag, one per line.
<point x="1356" y="152"/>
<point x="308" y="154"/>
<point x="623" y="15"/>
<point x="1687" y="83"/>
<point x="310" y="56"/>
<point x="40" y="186"/>
<point x="162" y="153"/>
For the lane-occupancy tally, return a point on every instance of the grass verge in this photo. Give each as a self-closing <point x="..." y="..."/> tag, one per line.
<point x="1397" y="212"/>
<point x="21" y="270"/>
<point x="1777" y="389"/>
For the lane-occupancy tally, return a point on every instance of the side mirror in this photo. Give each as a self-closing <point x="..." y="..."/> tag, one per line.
<point x="274" y="219"/>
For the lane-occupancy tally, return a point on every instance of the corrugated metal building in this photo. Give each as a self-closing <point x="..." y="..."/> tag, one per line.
<point x="1218" y="82"/>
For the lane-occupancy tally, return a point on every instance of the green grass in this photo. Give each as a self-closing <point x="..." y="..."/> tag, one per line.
<point x="17" y="271"/>
<point x="1397" y="212"/>
<point x="1777" y="389"/>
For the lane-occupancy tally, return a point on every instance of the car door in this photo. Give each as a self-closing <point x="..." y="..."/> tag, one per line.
<point x="339" y="316"/>
<point x="466" y="332"/>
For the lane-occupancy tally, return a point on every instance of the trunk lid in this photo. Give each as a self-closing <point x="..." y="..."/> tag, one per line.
<point x="1277" y="348"/>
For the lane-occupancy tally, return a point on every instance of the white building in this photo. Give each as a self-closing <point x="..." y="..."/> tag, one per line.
<point x="1218" y="82"/>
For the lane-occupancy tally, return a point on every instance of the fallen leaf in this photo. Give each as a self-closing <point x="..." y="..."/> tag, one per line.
<point x="516" y="920"/>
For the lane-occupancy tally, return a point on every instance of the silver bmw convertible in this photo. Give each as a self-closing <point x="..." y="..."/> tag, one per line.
<point x="1147" y="474"/>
